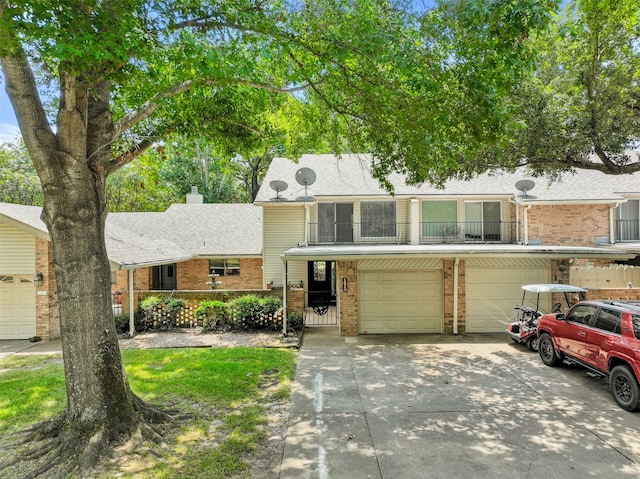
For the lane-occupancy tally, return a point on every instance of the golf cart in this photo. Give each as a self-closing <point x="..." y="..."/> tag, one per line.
<point x="523" y="329"/>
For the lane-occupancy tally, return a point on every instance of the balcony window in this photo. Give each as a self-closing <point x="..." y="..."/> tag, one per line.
<point x="482" y="220"/>
<point x="378" y="219"/>
<point x="335" y="222"/>
<point x="628" y="221"/>
<point x="439" y="219"/>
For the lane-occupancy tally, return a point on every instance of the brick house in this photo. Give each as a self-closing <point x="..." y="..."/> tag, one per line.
<point x="196" y="247"/>
<point x="427" y="260"/>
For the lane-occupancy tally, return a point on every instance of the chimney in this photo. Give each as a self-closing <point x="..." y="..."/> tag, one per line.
<point x="194" y="198"/>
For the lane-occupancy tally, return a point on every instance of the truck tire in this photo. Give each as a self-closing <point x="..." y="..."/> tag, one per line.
<point x="624" y="388"/>
<point x="547" y="351"/>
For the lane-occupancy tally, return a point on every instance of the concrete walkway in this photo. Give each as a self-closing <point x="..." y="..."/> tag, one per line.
<point x="449" y="407"/>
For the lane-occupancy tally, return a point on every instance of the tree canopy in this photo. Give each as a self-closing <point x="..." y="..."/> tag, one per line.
<point x="423" y="92"/>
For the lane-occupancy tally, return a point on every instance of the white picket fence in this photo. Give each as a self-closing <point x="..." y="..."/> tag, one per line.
<point x="613" y="276"/>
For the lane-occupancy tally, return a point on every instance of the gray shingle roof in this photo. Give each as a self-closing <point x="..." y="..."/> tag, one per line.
<point x="180" y="233"/>
<point x="350" y="176"/>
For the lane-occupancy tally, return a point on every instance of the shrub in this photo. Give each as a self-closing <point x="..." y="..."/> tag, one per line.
<point x="122" y="323"/>
<point x="247" y="312"/>
<point x="160" y="312"/>
<point x="295" y="321"/>
<point x="215" y="315"/>
<point x="150" y="312"/>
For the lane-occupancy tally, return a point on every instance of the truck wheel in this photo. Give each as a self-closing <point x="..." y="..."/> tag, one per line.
<point x="547" y="350"/>
<point x="532" y="343"/>
<point x="624" y="387"/>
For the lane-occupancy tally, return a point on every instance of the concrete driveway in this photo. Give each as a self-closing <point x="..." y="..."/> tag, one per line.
<point x="450" y="407"/>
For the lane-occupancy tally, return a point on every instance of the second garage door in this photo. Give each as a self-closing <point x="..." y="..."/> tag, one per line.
<point x="493" y="289"/>
<point x="400" y="301"/>
<point x="17" y="307"/>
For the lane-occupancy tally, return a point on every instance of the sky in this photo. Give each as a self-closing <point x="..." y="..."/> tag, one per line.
<point x="9" y="131"/>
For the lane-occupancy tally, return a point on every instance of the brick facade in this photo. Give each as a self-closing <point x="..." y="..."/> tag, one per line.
<point x="47" y="315"/>
<point x="348" y="321"/>
<point x="568" y="225"/>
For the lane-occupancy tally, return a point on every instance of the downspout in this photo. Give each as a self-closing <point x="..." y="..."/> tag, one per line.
<point x="284" y="300"/>
<point x="307" y="218"/>
<point x="612" y="238"/>
<point x="526" y="224"/>
<point x="455" y="296"/>
<point x="517" y="219"/>
<point x="132" y="326"/>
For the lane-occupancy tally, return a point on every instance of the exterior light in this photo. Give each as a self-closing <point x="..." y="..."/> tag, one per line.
<point x="38" y="280"/>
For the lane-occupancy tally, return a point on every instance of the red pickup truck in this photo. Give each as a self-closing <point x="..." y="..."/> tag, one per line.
<point x="603" y="336"/>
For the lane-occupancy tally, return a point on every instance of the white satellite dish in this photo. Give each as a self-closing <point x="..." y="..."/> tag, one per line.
<point x="305" y="177"/>
<point x="524" y="186"/>
<point x="278" y="186"/>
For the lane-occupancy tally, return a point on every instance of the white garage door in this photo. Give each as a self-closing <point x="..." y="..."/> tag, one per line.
<point x="17" y="307"/>
<point x="493" y="289"/>
<point x="400" y="301"/>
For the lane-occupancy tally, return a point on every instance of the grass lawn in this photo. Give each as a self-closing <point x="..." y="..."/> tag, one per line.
<point x="229" y="399"/>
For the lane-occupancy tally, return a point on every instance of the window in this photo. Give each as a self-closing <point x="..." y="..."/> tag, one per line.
<point x="582" y="314"/>
<point x="335" y="222"/>
<point x="164" y="277"/>
<point x="482" y="220"/>
<point x="319" y="270"/>
<point x="224" y="267"/>
<point x="628" y="220"/>
<point x="378" y="219"/>
<point x="608" y="321"/>
<point x="439" y="218"/>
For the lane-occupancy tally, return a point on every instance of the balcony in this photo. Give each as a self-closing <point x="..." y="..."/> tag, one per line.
<point x="627" y="230"/>
<point x="432" y="232"/>
<point x="468" y="232"/>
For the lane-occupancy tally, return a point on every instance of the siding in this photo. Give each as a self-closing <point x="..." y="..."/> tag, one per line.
<point x="18" y="251"/>
<point x="283" y="229"/>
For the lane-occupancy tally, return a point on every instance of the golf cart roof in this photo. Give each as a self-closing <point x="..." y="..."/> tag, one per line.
<point x="553" y="288"/>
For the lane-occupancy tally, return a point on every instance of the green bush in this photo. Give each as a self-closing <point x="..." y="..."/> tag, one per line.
<point x="295" y="321"/>
<point x="160" y="313"/>
<point x="247" y="312"/>
<point x="214" y="315"/>
<point x="122" y="323"/>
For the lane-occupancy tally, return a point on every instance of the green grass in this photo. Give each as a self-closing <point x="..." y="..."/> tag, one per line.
<point x="222" y="390"/>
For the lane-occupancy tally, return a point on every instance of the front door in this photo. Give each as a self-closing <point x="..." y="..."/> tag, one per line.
<point x="322" y="286"/>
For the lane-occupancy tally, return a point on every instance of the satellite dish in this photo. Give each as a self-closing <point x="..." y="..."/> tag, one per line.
<point x="305" y="177"/>
<point x="524" y="186"/>
<point x="278" y="186"/>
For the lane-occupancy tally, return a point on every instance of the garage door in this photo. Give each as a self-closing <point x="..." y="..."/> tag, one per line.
<point x="493" y="288"/>
<point x="400" y="301"/>
<point x="17" y="307"/>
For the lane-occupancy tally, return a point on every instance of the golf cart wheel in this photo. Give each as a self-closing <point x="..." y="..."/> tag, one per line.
<point x="624" y="388"/>
<point x="547" y="350"/>
<point x="532" y="344"/>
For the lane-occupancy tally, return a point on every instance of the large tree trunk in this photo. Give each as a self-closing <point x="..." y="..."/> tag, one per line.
<point x="72" y="166"/>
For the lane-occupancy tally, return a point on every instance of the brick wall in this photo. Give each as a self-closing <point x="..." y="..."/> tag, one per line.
<point x="47" y="315"/>
<point x="449" y="268"/>
<point x="348" y="321"/>
<point x="568" y="225"/>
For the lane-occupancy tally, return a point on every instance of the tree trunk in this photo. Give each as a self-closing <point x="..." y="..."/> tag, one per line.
<point x="72" y="166"/>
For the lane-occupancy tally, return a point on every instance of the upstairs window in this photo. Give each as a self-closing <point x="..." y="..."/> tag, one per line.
<point x="224" y="267"/>
<point x="628" y="221"/>
<point x="378" y="219"/>
<point x="439" y="218"/>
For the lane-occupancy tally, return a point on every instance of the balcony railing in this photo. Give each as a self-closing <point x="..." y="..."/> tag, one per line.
<point x="627" y="230"/>
<point x="400" y="233"/>
<point x="451" y="232"/>
<point x="357" y="233"/>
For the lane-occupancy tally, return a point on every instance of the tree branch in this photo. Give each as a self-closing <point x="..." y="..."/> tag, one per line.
<point x="147" y="109"/>
<point x="130" y="155"/>
<point x="21" y="87"/>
